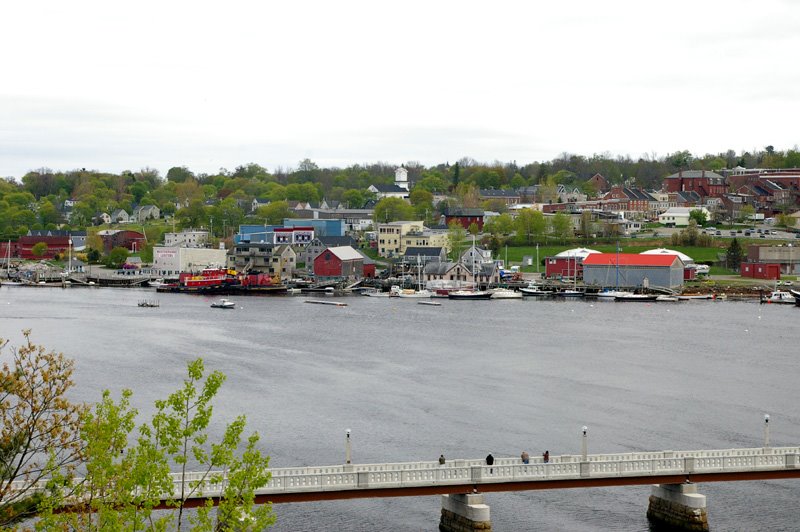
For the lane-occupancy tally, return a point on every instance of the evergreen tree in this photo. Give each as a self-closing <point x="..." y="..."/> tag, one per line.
<point x="734" y="255"/>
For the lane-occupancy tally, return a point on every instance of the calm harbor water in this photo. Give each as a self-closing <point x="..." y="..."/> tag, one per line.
<point x="464" y="379"/>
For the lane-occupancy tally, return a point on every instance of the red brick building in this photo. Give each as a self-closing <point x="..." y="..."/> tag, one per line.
<point x="599" y="183"/>
<point x="705" y="182"/>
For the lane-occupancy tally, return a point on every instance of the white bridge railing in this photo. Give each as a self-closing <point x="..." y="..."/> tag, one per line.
<point x="459" y="472"/>
<point x="565" y="467"/>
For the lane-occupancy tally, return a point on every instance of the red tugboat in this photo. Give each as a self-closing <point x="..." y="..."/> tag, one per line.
<point x="259" y="283"/>
<point x="208" y="281"/>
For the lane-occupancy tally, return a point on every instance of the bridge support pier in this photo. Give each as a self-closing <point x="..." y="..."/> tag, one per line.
<point x="677" y="507"/>
<point x="464" y="513"/>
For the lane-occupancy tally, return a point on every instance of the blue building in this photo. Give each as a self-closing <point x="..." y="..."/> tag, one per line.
<point x="322" y="227"/>
<point x="255" y="233"/>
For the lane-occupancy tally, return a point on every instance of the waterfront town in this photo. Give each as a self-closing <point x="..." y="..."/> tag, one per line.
<point x="743" y="222"/>
<point x="238" y="244"/>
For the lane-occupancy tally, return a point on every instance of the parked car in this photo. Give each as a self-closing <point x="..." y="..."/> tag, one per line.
<point x="787" y="283"/>
<point x="773" y="232"/>
<point x="718" y="233"/>
<point x="762" y="235"/>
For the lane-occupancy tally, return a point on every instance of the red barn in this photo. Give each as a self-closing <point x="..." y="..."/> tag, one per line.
<point x="558" y="267"/>
<point x="341" y="262"/>
<point x="465" y="217"/>
<point x="130" y="240"/>
<point x="760" y="270"/>
<point x="8" y="249"/>
<point x="55" y="246"/>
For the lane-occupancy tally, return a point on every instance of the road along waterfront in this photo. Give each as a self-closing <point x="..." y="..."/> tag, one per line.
<point x="463" y="379"/>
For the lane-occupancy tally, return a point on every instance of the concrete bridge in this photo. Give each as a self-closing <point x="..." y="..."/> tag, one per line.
<point x="462" y="482"/>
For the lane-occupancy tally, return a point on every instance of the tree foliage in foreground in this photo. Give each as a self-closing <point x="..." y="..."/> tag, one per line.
<point x="45" y="439"/>
<point x="40" y="426"/>
<point x="124" y="483"/>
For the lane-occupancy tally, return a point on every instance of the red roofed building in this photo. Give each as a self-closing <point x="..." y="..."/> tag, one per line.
<point x="633" y="270"/>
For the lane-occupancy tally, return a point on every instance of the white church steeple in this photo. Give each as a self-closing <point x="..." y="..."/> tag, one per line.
<point x="401" y="178"/>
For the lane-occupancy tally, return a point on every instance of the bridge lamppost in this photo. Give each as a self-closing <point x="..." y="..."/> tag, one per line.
<point x="583" y="442"/>
<point x="766" y="430"/>
<point x="347" y="447"/>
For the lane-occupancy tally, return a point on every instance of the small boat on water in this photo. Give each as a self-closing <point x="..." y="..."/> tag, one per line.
<point x="429" y="303"/>
<point x="796" y="294"/>
<point x="640" y="298"/>
<point x="329" y="289"/>
<point x="696" y="296"/>
<point x="505" y="293"/>
<point x="535" y="290"/>
<point x="469" y="294"/>
<point x="780" y="297"/>
<point x="611" y="294"/>
<point x="149" y="303"/>
<point x="157" y="283"/>
<point x="224" y="303"/>
<point x="411" y="293"/>
<point x="664" y="297"/>
<point x="570" y="292"/>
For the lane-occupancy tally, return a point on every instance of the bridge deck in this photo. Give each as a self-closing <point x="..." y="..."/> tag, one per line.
<point x="297" y="484"/>
<point x="314" y="483"/>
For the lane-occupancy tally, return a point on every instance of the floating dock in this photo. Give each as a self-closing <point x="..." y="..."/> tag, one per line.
<point x="333" y="303"/>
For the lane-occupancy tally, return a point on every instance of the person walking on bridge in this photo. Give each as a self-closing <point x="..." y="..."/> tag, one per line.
<point x="525" y="457"/>
<point x="490" y="462"/>
<point x="441" y="459"/>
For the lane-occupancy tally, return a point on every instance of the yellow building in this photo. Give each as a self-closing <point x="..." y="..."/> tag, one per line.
<point x="424" y="239"/>
<point x="390" y="236"/>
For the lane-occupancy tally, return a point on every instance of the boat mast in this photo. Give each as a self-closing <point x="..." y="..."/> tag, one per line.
<point x="419" y="275"/>
<point x="474" y="275"/>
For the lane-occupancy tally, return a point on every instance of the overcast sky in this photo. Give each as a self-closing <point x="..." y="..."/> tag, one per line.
<point x="123" y="85"/>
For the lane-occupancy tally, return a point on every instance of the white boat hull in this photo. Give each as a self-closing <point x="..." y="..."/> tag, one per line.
<point x="506" y="294"/>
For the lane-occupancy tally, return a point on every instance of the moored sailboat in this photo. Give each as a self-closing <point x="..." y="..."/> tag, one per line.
<point x="474" y="293"/>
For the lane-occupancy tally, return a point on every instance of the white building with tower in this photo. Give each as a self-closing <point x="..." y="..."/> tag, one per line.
<point x="399" y="189"/>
